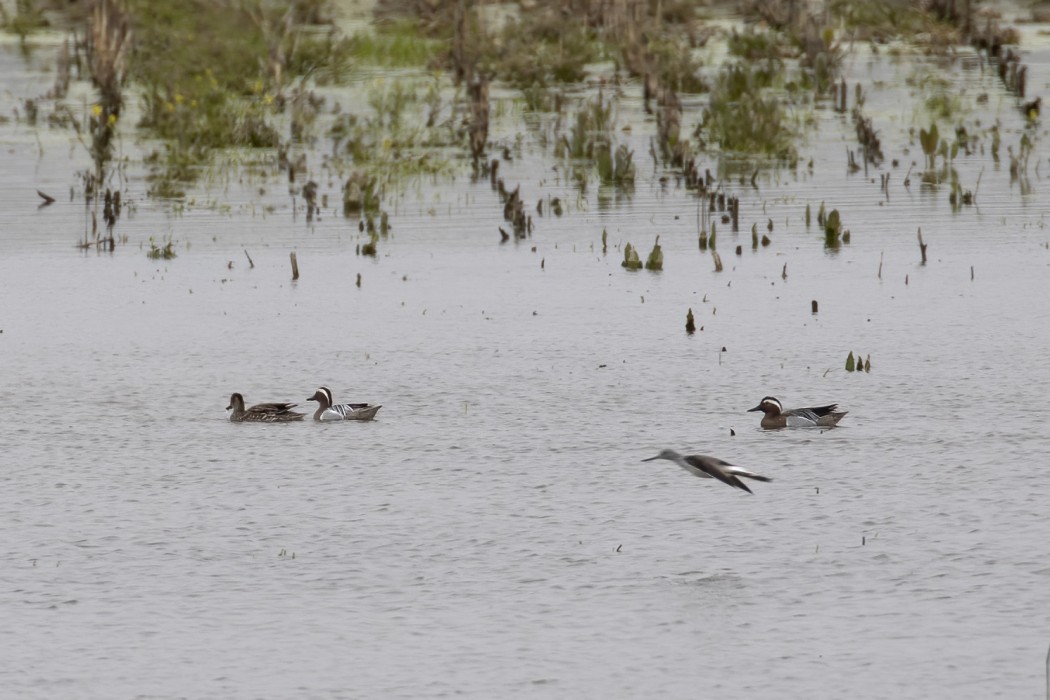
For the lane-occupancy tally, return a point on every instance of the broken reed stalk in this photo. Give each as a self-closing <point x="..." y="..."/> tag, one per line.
<point x="295" y="267"/>
<point x="880" y="264"/>
<point x="108" y="42"/>
<point x="251" y="265"/>
<point x="690" y="323"/>
<point x="922" y="247"/>
<point x="718" y="260"/>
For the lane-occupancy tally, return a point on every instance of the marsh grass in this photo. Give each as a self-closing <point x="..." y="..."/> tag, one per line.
<point x="394" y="138"/>
<point x="745" y="115"/>
<point x="26" y="19"/>
<point x="395" y="44"/>
<point x="213" y="76"/>
<point x="164" y="251"/>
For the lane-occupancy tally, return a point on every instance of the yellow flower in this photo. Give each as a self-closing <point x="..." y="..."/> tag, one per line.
<point x="268" y="99"/>
<point x="112" y="119"/>
<point x="170" y="106"/>
<point x="96" y="111"/>
<point x="179" y="99"/>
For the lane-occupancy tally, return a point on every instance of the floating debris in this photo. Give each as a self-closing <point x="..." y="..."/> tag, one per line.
<point x="690" y="325"/>
<point x="922" y="248"/>
<point x="813" y="306"/>
<point x="48" y="199"/>
<point x="295" y="266"/>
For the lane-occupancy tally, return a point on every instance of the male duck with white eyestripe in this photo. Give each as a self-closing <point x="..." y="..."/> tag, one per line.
<point x="814" y="417"/>
<point x="327" y="410"/>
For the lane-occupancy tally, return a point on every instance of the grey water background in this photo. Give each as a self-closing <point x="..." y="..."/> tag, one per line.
<point x="494" y="533"/>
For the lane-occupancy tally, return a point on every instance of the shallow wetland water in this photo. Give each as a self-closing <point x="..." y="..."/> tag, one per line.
<point x="494" y="533"/>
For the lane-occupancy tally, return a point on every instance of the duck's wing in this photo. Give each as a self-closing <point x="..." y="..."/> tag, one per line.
<point x="813" y="412"/>
<point x="357" y="411"/>
<point x="272" y="408"/>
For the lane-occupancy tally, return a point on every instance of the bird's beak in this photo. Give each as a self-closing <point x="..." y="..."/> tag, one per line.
<point x="230" y="407"/>
<point x="651" y="458"/>
<point x="756" y="408"/>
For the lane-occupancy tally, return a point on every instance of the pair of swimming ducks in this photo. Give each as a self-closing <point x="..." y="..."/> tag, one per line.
<point x="327" y="410"/>
<point x="775" y="417"/>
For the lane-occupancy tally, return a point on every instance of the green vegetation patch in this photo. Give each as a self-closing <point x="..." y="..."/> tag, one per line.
<point x="213" y="75"/>
<point x="745" y="114"/>
<point x="397" y="44"/>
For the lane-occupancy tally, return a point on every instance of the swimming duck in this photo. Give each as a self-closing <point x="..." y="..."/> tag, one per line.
<point x="329" y="411"/>
<point x="711" y="468"/>
<point x="261" y="412"/>
<point x="816" y="416"/>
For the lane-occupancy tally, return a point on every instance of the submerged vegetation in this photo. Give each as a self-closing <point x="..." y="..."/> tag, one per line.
<point x="268" y="86"/>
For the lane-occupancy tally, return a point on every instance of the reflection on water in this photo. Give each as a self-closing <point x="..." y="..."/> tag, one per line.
<point x="494" y="533"/>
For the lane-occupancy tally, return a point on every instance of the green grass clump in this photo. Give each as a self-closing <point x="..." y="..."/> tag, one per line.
<point x="677" y="67"/>
<point x="744" y="116"/>
<point x="213" y="75"/>
<point x="541" y="48"/>
<point x="655" y="261"/>
<point x="27" y="18"/>
<point x="753" y="45"/>
<point x="394" y="138"/>
<point x="395" y="45"/>
<point x="161" y="252"/>
<point x="630" y="258"/>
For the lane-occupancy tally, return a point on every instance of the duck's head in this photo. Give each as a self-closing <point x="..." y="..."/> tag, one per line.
<point x="769" y="405"/>
<point x="323" y="396"/>
<point x="236" y="402"/>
